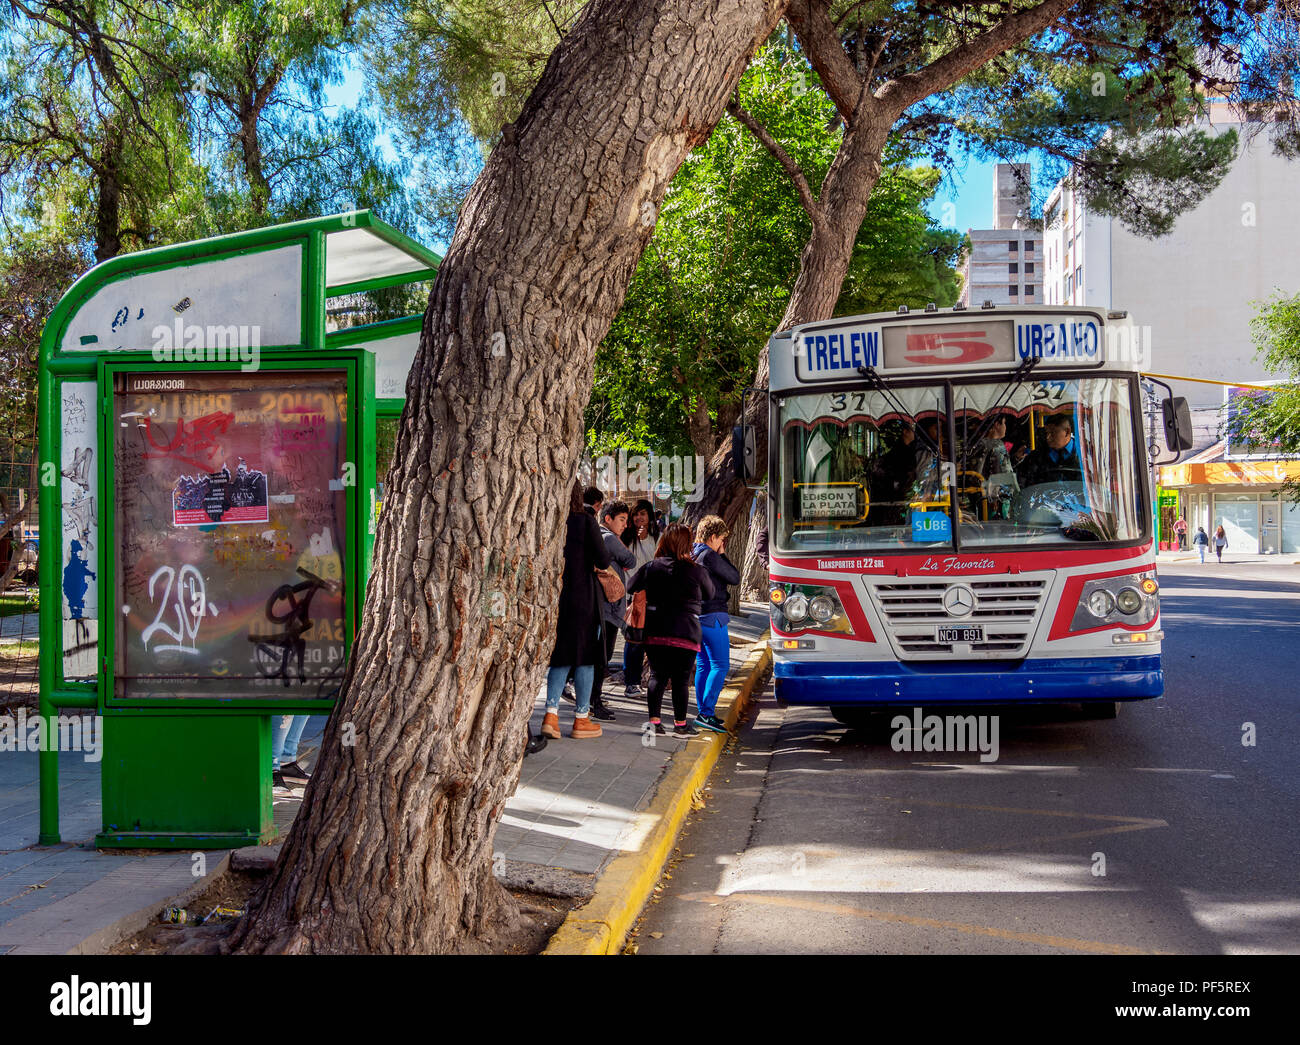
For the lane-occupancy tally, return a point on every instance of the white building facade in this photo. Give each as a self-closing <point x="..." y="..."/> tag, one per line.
<point x="1194" y="294"/>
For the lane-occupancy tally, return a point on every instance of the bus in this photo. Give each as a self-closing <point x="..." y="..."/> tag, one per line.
<point x="960" y="511"/>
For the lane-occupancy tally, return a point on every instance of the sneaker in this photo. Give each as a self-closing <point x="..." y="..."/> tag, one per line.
<point x="551" y="726"/>
<point x="602" y="712"/>
<point x="585" y="729"/>
<point x="294" y="773"/>
<point x="710" y="723"/>
<point x="685" y="730"/>
<point x="633" y="692"/>
<point x="535" y="744"/>
<point x="658" y="729"/>
<point x="277" y="779"/>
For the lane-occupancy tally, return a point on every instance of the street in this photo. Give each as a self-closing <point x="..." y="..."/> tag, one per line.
<point x="1158" y="832"/>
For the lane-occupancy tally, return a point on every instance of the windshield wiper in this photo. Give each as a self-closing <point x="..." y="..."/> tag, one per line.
<point x="876" y="383"/>
<point x="1017" y="379"/>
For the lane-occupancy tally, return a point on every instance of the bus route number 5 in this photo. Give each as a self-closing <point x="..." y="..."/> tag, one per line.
<point x="948" y="347"/>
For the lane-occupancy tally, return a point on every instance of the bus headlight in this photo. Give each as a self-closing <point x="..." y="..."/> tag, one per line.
<point x="1101" y="604"/>
<point x="821" y="608"/>
<point x="1128" y="601"/>
<point x="795" y="606"/>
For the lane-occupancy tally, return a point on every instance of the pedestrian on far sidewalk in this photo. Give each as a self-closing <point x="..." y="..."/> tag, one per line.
<point x="1201" y="541"/>
<point x="1180" y="534"/>
<point x="1220" y="542"/>
<point x="577" y="639"/>
<point x="715" y="644"/>
<point x="642" y="538"/>
<point x="676" y="588"/>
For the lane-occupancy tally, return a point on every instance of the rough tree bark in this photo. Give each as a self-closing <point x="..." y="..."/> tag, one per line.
<point x="392" y="849"/>
<point x="838" y="212"/>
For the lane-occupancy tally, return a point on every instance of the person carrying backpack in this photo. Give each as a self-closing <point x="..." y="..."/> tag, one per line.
<point x="676" y="587"/>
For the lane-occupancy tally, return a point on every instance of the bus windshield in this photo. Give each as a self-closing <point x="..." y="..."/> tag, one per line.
<point x="1043" y="462"/>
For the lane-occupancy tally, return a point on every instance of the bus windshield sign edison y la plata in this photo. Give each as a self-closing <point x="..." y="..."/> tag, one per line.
<point x="829" y="352"/>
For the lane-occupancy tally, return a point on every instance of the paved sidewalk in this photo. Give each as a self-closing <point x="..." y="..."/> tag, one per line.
<point x="24" y="626"/>
<point x="579" y="803"/>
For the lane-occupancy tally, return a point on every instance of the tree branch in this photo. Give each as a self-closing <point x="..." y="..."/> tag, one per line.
<point x="812" y="25"/>
<point x="782" y="157"/>
<point x="944" y="71"/>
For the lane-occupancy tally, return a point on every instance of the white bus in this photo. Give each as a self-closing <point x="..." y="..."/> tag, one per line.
<point x="960" y="511"/>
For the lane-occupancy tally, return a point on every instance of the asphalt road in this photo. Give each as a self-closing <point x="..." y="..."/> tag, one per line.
<point x="819" y="839"/>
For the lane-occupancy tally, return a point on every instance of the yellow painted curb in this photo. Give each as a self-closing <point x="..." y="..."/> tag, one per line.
<point x="601" y="925"/>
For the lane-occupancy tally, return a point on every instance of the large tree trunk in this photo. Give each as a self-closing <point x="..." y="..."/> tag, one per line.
<point x="392" y="848"/>
<point x="108" y="196"/>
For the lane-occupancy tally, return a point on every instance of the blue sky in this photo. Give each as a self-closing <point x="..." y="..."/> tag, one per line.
<point x="966" y="195"/>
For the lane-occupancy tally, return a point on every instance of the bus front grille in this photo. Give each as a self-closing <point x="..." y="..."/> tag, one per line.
<point x="1006" y="610"/>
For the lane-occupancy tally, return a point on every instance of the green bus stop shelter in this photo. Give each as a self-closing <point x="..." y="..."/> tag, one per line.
<point x="210" y="480"/>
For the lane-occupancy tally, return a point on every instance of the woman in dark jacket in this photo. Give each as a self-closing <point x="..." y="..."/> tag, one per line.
<point x="676" y="588"/>
<point x="641" y="535"/>
<point x="715" y="649"/>
<point x="577" y="638"/>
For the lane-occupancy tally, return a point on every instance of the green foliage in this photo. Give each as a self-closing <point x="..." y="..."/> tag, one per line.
<point x="257" y="75"/>
<point x="714" y="282"/>
<point x="1271" y="420"/>
<point x="1108" y="98"/>
<point x="91" y="122"/>
<point x="133" y="124"/>
<point x="450" y="74"/>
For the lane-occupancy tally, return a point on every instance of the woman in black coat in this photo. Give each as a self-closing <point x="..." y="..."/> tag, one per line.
<point x="675" y="587"/>
<point x="577" y="632"/>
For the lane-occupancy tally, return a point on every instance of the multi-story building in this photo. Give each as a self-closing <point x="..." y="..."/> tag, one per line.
<point x="1194" y="293"/>
<point x="1005" y="263"/>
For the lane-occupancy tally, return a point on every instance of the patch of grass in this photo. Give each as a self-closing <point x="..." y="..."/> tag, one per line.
<point x="13" y="602"/>
<point x="22" y="649"/>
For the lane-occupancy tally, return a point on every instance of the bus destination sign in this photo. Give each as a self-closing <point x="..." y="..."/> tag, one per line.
<point x="827" y="353"/>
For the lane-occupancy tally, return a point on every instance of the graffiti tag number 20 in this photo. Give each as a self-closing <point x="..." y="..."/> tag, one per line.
<point x="191" y="606"/>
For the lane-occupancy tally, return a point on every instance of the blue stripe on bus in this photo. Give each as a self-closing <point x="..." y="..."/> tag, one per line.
<point x="971" y="682"/>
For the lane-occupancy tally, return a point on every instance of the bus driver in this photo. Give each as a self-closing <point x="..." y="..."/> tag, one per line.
<point x="1058" y="460"/>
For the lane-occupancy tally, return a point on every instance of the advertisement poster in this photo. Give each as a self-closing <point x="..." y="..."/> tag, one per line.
<point x="221" y="498"/>
<point x="231" y="511"/>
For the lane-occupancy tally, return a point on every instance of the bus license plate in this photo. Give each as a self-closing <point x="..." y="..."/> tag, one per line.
<point x="960" y="635"/>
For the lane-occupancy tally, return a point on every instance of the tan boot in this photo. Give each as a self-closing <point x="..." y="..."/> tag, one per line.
<point x="584" y="728"/>
<point x="551" y="726"/>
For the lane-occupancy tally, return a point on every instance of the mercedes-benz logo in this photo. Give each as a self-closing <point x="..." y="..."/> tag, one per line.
<point x="959" y="601"/>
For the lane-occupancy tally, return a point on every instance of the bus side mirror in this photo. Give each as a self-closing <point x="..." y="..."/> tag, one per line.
<point x="744" y="453"/>
<point x="1178" y="424"/>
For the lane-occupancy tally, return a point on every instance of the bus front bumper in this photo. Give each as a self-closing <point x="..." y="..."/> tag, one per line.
<point x="1037" y="681"/>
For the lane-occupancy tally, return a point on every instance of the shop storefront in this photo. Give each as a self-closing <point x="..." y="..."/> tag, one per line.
<point x="1246" y="498"/>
